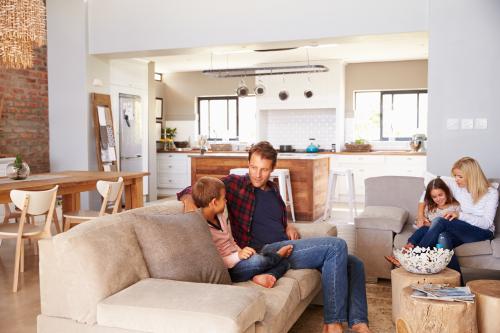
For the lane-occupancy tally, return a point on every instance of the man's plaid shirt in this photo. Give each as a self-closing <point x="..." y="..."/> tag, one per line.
<point x="240" y="197"/>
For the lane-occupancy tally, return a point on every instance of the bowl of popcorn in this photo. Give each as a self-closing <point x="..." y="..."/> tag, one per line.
<point x="423" y="260"/>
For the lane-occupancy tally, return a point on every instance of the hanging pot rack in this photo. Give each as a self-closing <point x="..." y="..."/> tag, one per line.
<point x="260" y="71"/>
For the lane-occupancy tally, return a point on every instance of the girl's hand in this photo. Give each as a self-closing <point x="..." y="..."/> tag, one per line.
<point x="451" y="216"/>
<point x="422" y="221"/>
<point x="246" y="253"/>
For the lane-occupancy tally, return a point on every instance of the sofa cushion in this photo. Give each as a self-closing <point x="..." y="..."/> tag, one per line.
<point x="281" y="300"/>
<point x="154" y="305"/>
<point x="309" y="280"/>
<point x="474" y="249"/>
<point x="180" y="247"/>
<point x="96" y="259"/>
<point x="382" y="218"/>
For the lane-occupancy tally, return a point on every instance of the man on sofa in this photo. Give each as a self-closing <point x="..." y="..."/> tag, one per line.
<point x="259" y="219"/>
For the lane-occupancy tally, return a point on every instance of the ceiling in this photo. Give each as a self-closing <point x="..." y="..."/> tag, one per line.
<point x="370" y="48"/>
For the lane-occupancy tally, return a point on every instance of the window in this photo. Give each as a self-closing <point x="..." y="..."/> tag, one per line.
<point x="390" y="115"/>
<point x="218" y="117"/>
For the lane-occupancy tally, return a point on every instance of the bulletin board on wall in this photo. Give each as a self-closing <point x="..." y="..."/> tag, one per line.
<point x="105" y="142"/>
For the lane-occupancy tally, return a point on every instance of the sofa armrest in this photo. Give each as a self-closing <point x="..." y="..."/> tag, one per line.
<point x="319" y="229"/>
<point x="382" y="218"/>
<point x="158" y="305"/>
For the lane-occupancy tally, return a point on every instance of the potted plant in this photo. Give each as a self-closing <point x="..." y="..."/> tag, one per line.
<point x="18" y="169"/>
<point x="170" y="134"/>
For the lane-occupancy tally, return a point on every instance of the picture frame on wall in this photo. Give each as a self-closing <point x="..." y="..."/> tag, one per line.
<point x="158" y="131"/>
<point x="159" y="108"/>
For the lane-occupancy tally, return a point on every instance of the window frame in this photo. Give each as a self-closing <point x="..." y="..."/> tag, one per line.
<point x="227" y="98"/>
<point x="381" y="109"/>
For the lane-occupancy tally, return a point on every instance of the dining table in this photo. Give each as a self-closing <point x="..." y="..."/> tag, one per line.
<point x="72" y="183"/>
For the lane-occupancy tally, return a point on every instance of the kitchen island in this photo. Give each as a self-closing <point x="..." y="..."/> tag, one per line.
<point x="308" y="173"/>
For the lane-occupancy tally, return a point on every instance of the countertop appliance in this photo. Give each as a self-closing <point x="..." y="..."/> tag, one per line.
<point x="417" y="142"/>
<point x="312" y="148"/>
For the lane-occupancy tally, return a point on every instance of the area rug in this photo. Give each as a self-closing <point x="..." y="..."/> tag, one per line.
<point x="379" y="312"/>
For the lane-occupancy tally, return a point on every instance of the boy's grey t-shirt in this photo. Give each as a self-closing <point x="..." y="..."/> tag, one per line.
<point x="267" y="227"/>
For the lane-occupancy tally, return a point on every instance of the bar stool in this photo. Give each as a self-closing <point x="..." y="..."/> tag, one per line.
<point x="284" y="183"/>
<point x="330" y="194"/>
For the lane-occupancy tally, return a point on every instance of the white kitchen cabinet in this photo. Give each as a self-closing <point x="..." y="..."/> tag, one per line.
<point x="366" y="166"/>
<point x="174" y="172"/>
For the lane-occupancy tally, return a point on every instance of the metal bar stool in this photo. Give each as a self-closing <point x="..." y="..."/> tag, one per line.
<point x="330" y="194"/>
<point x="284" y="183"/>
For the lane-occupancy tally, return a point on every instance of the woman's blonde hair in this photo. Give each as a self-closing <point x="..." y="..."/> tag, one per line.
<point x="475" y="180"/>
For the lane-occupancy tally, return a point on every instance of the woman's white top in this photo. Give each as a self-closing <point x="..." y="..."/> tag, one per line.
<point x="480" y="214"/>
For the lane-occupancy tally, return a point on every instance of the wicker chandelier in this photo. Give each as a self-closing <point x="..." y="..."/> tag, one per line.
<point x="22" y="28"/>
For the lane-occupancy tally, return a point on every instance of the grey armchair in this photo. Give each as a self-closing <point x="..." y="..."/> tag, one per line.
<point x="391" y="204"/>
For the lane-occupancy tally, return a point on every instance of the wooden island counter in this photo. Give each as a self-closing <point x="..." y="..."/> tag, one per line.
<point x="308" y="173"/>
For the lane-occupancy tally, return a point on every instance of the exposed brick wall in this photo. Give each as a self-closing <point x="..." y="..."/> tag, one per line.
<point x="24" y="123"/>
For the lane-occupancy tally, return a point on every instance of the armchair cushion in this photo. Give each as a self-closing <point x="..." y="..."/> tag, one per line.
<point x="382" y="218"/>
<point x="320" y="229"/>
<point x="179" y="247"/>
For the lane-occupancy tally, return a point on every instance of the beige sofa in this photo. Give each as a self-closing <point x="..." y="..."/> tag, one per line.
<point x="391" y="204"/>
<point x="94" y="278"/>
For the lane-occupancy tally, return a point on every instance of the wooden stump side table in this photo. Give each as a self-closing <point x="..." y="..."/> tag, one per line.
<point x="488" y="304"/>
<point x="401" y="278"/>
<point x="423" y="315"/>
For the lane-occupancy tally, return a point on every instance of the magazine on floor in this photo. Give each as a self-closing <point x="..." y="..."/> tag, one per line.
<point x="442" y="292"/>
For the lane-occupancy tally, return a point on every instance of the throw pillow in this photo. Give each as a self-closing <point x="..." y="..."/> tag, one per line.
<point x="180" y="247"/>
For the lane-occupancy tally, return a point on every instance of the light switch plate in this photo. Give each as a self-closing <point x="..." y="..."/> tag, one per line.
<point x="481" y="123"/>
<point x="467" y="123"/>
<point x="452" y="123"/>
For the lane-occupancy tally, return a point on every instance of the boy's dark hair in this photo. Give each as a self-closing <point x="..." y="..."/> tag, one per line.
<point x="437" y="183"/>
<point x="265" y="150"/>
<point x="205" y="190"/>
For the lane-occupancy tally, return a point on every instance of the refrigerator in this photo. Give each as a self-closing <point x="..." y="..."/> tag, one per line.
<point x="131" y="133"/>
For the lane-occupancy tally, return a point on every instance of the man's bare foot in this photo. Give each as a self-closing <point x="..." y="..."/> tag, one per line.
<point x="264" y="280"/>
<point x="333" y="328"/>
<point x="393" y="260"/>
<point x="361" y="328"/>
<point x="285" y="251"/>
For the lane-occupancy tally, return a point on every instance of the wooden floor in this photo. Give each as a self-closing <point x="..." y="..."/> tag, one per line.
<point x="18" y="311"/>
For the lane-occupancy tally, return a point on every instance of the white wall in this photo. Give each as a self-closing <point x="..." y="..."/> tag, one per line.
<point x="464" y="82"/>
<point x="70" y="131"/>
<point x="127" y="25"/>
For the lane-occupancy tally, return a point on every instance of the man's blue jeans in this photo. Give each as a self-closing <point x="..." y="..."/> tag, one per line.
<point x="342" y="276"/>
<point x="265" y="263"/>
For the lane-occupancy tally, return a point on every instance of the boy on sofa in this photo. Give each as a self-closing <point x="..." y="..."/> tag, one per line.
<point x="264" y="269"/>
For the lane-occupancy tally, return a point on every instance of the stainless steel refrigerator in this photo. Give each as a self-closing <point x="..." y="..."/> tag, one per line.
<point x="131" y="133"/>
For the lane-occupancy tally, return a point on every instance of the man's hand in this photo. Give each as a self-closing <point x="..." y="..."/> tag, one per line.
<point x="291" y="232"/>
<point x="451" y="216"/>
<point x="246" y="253"/>
<point x="189" y="205"/>
<point x="422" y="221"/>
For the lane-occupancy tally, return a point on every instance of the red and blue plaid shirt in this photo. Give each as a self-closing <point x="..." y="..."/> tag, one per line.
<point x="240" y="197"/>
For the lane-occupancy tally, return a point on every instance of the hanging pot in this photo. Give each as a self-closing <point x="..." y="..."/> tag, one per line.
<point x="242" y="90"/>
<point x="283" y="95"/>
<point x="259" y="89"/>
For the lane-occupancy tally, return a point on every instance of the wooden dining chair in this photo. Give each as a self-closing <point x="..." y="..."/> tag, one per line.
<point x="110" y="192"/>
<point x="31" y="203"/>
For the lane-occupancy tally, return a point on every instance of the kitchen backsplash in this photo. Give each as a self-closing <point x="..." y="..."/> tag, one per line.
<point x="295" y="127"/>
